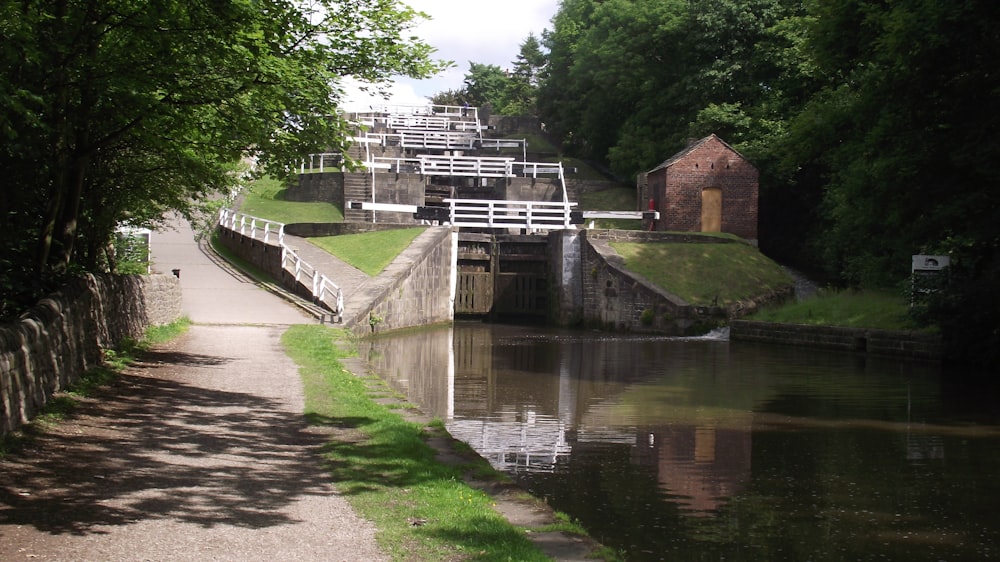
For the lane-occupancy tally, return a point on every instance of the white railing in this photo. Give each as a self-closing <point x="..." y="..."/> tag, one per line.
<point x="437" y="140"/>
<point x="324" y="290"/>
<point x="429" y="122"/>
<point x="468" y="166"/>
<point x="440" y="110"/>
<point x="251" y="226"/>
<point x="531" y="215"/>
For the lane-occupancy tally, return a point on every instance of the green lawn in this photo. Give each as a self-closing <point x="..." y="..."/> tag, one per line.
<point x="692" y="271"/>
<point x="266" y="199"/>
<point x="380" y="463"/>
<point x="369" y="251"/>
<point x="854" y="309"/>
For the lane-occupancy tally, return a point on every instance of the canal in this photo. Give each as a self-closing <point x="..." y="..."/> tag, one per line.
<point x="704" y="449"/>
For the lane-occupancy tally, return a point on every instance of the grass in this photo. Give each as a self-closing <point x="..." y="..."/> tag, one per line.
<point x="614" y="199"/>
<point x="89" y="384"/>
<point x="882" y="310"/>
<point x="370" y="252"/>
<point x="691" y="271"/>
<point x="266" y="199"/>
<point x="422" y="509"/>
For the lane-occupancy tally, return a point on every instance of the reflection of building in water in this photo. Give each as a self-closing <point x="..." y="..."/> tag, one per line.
<point x="701" y="466"/>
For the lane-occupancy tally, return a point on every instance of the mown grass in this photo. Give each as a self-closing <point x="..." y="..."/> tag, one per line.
<point x="883" y="310"/>
<point x="704" y="274"/>
<point x="381" y="463"/>
<point x="266" y="199"/>
<point x="370" y="252"/>
<point x="63" y="404"/>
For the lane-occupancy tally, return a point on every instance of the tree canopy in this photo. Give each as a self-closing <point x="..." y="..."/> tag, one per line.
<point x="117" y="111"/>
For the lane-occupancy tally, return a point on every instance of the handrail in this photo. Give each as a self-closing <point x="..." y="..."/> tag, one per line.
<point x="323" y="288"/>
<point x="532" y="215"/>
<point x="230" y="218"/>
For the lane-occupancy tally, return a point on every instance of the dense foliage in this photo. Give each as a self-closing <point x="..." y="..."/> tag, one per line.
<point x="873" y="124"/>
<point x="120" y="111"/>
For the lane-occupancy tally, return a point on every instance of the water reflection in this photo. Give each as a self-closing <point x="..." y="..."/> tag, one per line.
<point x="701" y="449"/>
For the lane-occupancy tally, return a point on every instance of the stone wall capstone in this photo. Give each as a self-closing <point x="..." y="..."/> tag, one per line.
<point x="51" y="345"/>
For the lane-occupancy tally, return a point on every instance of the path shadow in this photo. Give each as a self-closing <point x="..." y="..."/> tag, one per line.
<point x="161" y="449"/>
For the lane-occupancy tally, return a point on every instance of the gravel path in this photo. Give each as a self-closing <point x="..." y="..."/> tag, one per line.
<point x="199" y="452"/>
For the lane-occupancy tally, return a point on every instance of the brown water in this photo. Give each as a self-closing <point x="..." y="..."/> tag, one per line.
<point x="702" y="449"/>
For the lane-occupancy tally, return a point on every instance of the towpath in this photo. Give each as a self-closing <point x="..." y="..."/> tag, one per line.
<point x="199" y="452"/>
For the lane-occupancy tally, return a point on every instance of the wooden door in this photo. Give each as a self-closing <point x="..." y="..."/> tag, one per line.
<point x="711" y="209"/>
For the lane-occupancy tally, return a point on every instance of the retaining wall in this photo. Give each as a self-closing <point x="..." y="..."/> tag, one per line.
<point x="416" y="289"/>
<point x="878" y="342"/>
<point x="65" y="334"/>
<point x="617" y="299"/>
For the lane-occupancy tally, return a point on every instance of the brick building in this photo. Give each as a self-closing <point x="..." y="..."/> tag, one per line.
<point x="707" y="187"/>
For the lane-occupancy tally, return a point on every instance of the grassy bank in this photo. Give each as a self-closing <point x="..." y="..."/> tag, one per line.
<point x="852" y="309"/>
<point x="381" y="463"/>
<point x="266" y="199"/>
<point x="370" y="252"/>
<point x="705" y="274"/>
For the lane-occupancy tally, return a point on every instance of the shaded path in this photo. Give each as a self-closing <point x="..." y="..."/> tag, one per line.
<point x="199" y="452"/>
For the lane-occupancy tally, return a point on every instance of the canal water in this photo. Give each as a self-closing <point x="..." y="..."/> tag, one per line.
<point x="704" y="449"/>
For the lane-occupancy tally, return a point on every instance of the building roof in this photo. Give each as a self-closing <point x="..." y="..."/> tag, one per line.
<point x="690" y="148"/>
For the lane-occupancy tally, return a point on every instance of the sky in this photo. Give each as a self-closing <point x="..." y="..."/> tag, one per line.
<point x="481" y="31"/>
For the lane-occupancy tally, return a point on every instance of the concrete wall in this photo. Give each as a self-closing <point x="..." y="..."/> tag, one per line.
<point x="416" y="289"/>
<point x="64" y="335"/>
<point x="878" y="342"/>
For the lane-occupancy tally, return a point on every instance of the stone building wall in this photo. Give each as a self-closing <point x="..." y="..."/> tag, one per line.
<point x="65" y="334"/>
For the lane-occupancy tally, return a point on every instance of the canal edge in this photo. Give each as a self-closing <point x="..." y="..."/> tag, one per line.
<point x="511" y="501"/>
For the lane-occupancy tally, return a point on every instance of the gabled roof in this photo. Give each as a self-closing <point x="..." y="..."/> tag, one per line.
<point x="690" y="148"/>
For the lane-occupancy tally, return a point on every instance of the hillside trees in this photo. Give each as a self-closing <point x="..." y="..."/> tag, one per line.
<point x="630" y="80"/>
<point x="904" y="130"/>
<point x="506" y="92"/>
<point x="121" y="110"/>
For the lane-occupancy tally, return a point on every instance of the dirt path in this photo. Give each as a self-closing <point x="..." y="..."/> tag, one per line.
<point x="200" y="452"/>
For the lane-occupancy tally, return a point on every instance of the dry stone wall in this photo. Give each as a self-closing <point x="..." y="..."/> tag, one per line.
<point x="64" y="335"/>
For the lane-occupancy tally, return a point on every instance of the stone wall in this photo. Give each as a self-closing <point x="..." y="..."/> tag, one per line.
<point x="64" y="335"/>
<point x="327" y="187"/>
<point x="617" y="299"/>
<point x="416" y="289"/>
<point x="879" y="342"/>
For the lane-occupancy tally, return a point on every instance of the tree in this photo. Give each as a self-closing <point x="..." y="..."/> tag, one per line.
<point x="121" y="110"/>
<point x="522" y="87"/>
<point x="485" y="85"/>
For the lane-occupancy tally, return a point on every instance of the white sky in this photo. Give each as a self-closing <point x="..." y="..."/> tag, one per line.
<point x="481" y="31"/>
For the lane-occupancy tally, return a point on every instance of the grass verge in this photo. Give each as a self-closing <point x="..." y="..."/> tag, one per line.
<point x="370" y="252"/>
<point x="381" y="463"/>
<point x="266" y="199"/>
<point x="691" y="271"/>
<point x="62" y="404"/>
<point x="881" y="310"/>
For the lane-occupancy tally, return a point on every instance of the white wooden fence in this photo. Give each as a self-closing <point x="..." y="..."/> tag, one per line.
<point x="323" y="288"/>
